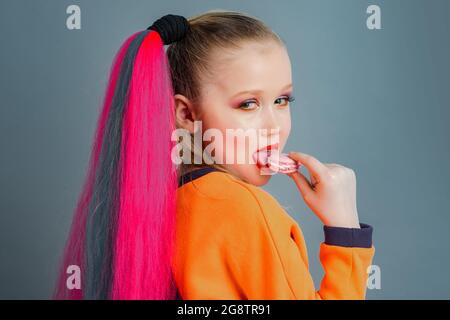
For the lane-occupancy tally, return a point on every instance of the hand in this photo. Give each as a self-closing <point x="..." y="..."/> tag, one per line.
<point x="331" y="193"/>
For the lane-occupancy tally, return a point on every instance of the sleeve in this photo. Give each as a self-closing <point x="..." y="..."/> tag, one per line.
<point x="234" y="253"/>
<point x="345" y="255"/>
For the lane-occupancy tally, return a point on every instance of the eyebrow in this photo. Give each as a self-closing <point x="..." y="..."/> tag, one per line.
<point x="256" y="91"/>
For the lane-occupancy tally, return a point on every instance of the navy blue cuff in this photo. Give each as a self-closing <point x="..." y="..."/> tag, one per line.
<point x="349" y="237"/>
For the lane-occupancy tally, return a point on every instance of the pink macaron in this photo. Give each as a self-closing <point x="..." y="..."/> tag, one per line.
<point x="280" y="162"/>
<point x="275" y="161"/>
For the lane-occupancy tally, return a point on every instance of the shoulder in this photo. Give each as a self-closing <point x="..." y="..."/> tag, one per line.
<point x="223" y="188"/>
<point x="217" y="193"/>
<point x="220" y="198"/>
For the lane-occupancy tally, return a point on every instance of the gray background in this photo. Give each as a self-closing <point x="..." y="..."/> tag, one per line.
<point x="376" y="101"/>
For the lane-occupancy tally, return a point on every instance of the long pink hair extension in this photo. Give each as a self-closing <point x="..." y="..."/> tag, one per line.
<point x="122" y="233"/>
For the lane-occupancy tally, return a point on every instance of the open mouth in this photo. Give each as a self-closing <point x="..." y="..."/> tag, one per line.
<point x="261" y="158"/>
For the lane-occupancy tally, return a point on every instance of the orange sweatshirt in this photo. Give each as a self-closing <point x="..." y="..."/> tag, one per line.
<point x="235" y="241"/>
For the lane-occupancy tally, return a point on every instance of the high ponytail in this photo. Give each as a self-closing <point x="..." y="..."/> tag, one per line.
<point x="122" y="233"/>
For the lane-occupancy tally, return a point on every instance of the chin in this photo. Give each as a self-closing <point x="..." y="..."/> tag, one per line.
<point x="261" y="180"/>
<point x="254" y="176"/>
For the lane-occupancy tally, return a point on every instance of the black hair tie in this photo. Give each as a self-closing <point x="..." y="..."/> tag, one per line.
<point x="171" y="28"/>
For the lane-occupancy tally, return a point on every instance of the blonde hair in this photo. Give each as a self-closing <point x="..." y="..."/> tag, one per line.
<point x="190" y="58"/>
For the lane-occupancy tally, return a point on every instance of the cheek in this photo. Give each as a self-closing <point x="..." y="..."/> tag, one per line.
<point x="286" y="127"/>
<point x="217" y="125"/>
<point x="219" y="118"/>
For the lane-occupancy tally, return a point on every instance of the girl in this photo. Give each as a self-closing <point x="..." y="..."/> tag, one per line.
<point x="146" y="228"/>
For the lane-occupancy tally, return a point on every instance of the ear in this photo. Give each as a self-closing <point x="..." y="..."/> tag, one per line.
<point x="184" y="113"/>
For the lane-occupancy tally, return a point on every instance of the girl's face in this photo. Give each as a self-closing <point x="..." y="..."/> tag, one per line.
<point x="250" y="90"/>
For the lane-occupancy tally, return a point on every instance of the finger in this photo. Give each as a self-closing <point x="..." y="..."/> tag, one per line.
<point x="333" y="165"/>
<point x="314" y="166"/>
<point x="313" y="181"/>
<point x="302" y="183"/>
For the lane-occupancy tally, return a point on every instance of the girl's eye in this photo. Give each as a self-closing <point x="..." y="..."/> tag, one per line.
<point x="248" y="105"/>
<point x="284" y="101"/>
<point x="253" y="104"/>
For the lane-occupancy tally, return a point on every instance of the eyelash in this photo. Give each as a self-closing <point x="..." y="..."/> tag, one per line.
<point x="288" y="98"/>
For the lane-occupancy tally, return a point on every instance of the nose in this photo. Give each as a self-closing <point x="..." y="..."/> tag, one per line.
<point x="271" y="122"/>
<point x="270" y="133"/>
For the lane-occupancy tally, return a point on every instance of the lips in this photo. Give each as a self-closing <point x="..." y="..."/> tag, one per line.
<point x="269" y="147"/>
<point x="261" y="155"/>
